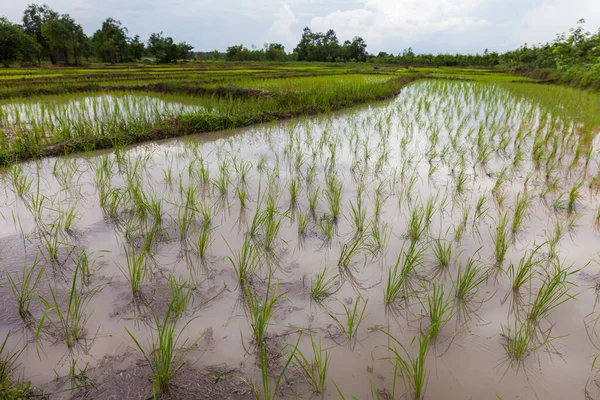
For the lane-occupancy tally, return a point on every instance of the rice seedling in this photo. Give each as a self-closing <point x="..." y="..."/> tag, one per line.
<point x="399" y="276"/>
<point x="167" y="352"/>
<point x="313" y="199"/>
<point x="416" y="224"/>
<point x="468" y="279"/>
<point x="354" y="317"/>
<point x="442" y="252"/>
<point x="20" y="182"/>
<point x="334" y="196"/>
<point x="574" y="197"/>
<point x="500" y="239"/>
<point x="439" y="309"/>
<point x="523" y="273"/>
<point x="322" y="286"/>
<point x="136" y="272"/>
<point x="358" y="216"/>
<point x="294" y="188"/>
<point x="70" y="322"/>
<point x="349" y="250"/>
<point x="303" y="220"/>
<point x="261" y="311"/>
<point x="411" y="367"/>
<point x="242" y="195"/>
<point x="244" y="261"/>
<point x="204" y="239"/>
<point x="85" y="267"/>
<point x="9" y="362"/>
<point x="181" y="295"/>
<point x="555" y="291"/>
<point x="24" y="286"/>
<point x="518" y="341"/>
<point x="315" y="370"/>
<point x="327" y="225"/>
<point x="378" y="237"/>
<point x="522" y="203"/>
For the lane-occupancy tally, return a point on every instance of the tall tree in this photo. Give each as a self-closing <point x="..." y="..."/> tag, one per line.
<point x="65" y="37"/>
<point x="185" y="50"/>
<point x="110" y="41"/>
<point x="34" y="17"/>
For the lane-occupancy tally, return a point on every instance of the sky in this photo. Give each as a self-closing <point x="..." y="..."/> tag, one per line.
<point x="428" y="26"/>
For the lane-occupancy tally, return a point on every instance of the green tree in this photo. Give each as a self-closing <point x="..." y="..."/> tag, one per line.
<point x="34" y="17"/>
<point x="110" y="41"/>
<point x="185" y="51"/>
<point x="65" y="37"/>
<point x="136" y="48"/>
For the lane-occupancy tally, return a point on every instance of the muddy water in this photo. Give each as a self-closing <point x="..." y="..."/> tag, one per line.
<point x="412" y="149"/>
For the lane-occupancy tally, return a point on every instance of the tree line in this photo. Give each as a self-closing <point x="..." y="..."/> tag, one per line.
<point x="45" y="34"/>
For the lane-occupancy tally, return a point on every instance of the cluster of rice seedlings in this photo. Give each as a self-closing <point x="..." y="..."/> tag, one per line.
<point x="9" y="362"/>
<point x="354" y="316"/>
<point x="181" y="295"/>
<point x="313" y="199"/>
<point x="521" y="205"/>
<point x="522" y="274"/>
<point x="315" y="370"/>
<point x="333" y="194"/>
<point x="24" y="286"/>
<point x="244" y="261"/>
<point x="136" y="272"/>
<point x="303" y="220"/>
<point x="378" y="238"/>
<point x="468" y="279"/>
<point x="555" y="290"/>
<point x="294" y="188"/>
<point x="69" y="320"/>
<point x="410" y="366"/>
<point x="204" y="239"/>
<point x="519" y="341"/>
<point x="167" y="352"/>
<point x="442" y="251"/>
<point x="399" y="276"/>
<point x="322" y="286"/>
<point x="261" y="311"/>
<point x="350" y="249"/>
<point x="439" y="310"/>
<point x="500" y="238"/>
<point x="417" y="223"/>
<point x="358" y="216"/>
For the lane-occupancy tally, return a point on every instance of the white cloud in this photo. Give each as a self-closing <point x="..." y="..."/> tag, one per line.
<point x="282" y="31"/>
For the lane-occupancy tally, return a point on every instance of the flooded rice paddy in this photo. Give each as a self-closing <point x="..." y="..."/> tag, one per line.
<point x="456" y="216"/>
